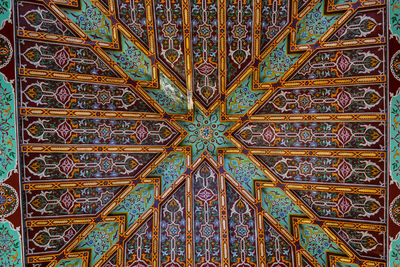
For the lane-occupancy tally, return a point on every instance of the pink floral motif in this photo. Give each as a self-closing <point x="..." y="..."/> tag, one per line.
<point x="66" y="165"/>
<point x="62" y="58"/>
<point x="345" y="135"/>
<point x="268" y="134"/>
<point x="142" y="132"/>
<point x="69" y="234"/>
<point x="63" y="94"/>
<point x="67" y="200"/>
<point x="344" y="205"/>
<point x="344" y="99"/>
<point x="205" y="194"/>
<point x="343" y="63"/>
<point x="345" y="170"/>
<point x="64" y="130"/>
<point x="206" y="68"/>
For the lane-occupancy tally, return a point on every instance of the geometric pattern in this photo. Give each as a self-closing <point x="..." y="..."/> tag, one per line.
<point x="199" y="133"/>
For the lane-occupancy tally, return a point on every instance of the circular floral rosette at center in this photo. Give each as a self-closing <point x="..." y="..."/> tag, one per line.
<point x="5" y="51"/>
<point x="394" y="210"/>
<point x="8" y="200"/>
<point x="395" y="65"/>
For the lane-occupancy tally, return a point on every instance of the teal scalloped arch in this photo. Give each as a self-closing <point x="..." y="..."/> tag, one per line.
<point x="8" y="143"/>
<point x="5" y="12"/>
<point x="394" y="17"/>
<point x="10" y="244"/>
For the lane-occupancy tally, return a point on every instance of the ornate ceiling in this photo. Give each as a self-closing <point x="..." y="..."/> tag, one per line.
<point x="200" y="133"/>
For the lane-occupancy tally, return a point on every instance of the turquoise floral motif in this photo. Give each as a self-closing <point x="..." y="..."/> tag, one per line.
<point x="136" y="203"/>
<point x="395" y="138"/>
<point x="169" y="97"/>
<point x="277" y="63"/>
<point x="8" y="145"/>
<point x="315" y="24"/>
<point x="244" y="170"/>
<point x="132" y="60"/>
<point x="395" y="17"/>
<point x="205" y="133"/>
<point x="100" y="240"/>
<point x="10" y="245"/>
<point x="280" y="206"/>
<point x="5" y="12"/>
<point x="317" y="242"/>
<point x="91" y="20"/>
<point x="394" y="253"/>
<point x="242" y="98"/>
<point x="170" y="169"/>
<point x="70" y="263"/>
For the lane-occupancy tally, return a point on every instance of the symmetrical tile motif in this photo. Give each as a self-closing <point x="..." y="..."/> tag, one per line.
<point x="199" y="133"/>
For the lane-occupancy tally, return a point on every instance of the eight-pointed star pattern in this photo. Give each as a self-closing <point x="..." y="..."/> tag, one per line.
<point x="214" y="133"/>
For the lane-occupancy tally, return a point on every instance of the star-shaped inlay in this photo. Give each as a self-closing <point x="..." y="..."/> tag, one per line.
<point x="127" y="126"/>
<point x="205" y="133"/>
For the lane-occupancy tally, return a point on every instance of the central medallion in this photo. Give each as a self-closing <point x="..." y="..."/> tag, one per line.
<point x="205" y="133"/>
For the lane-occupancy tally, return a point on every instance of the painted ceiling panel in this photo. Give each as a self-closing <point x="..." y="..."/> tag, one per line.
<point x="199" y="133"/>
